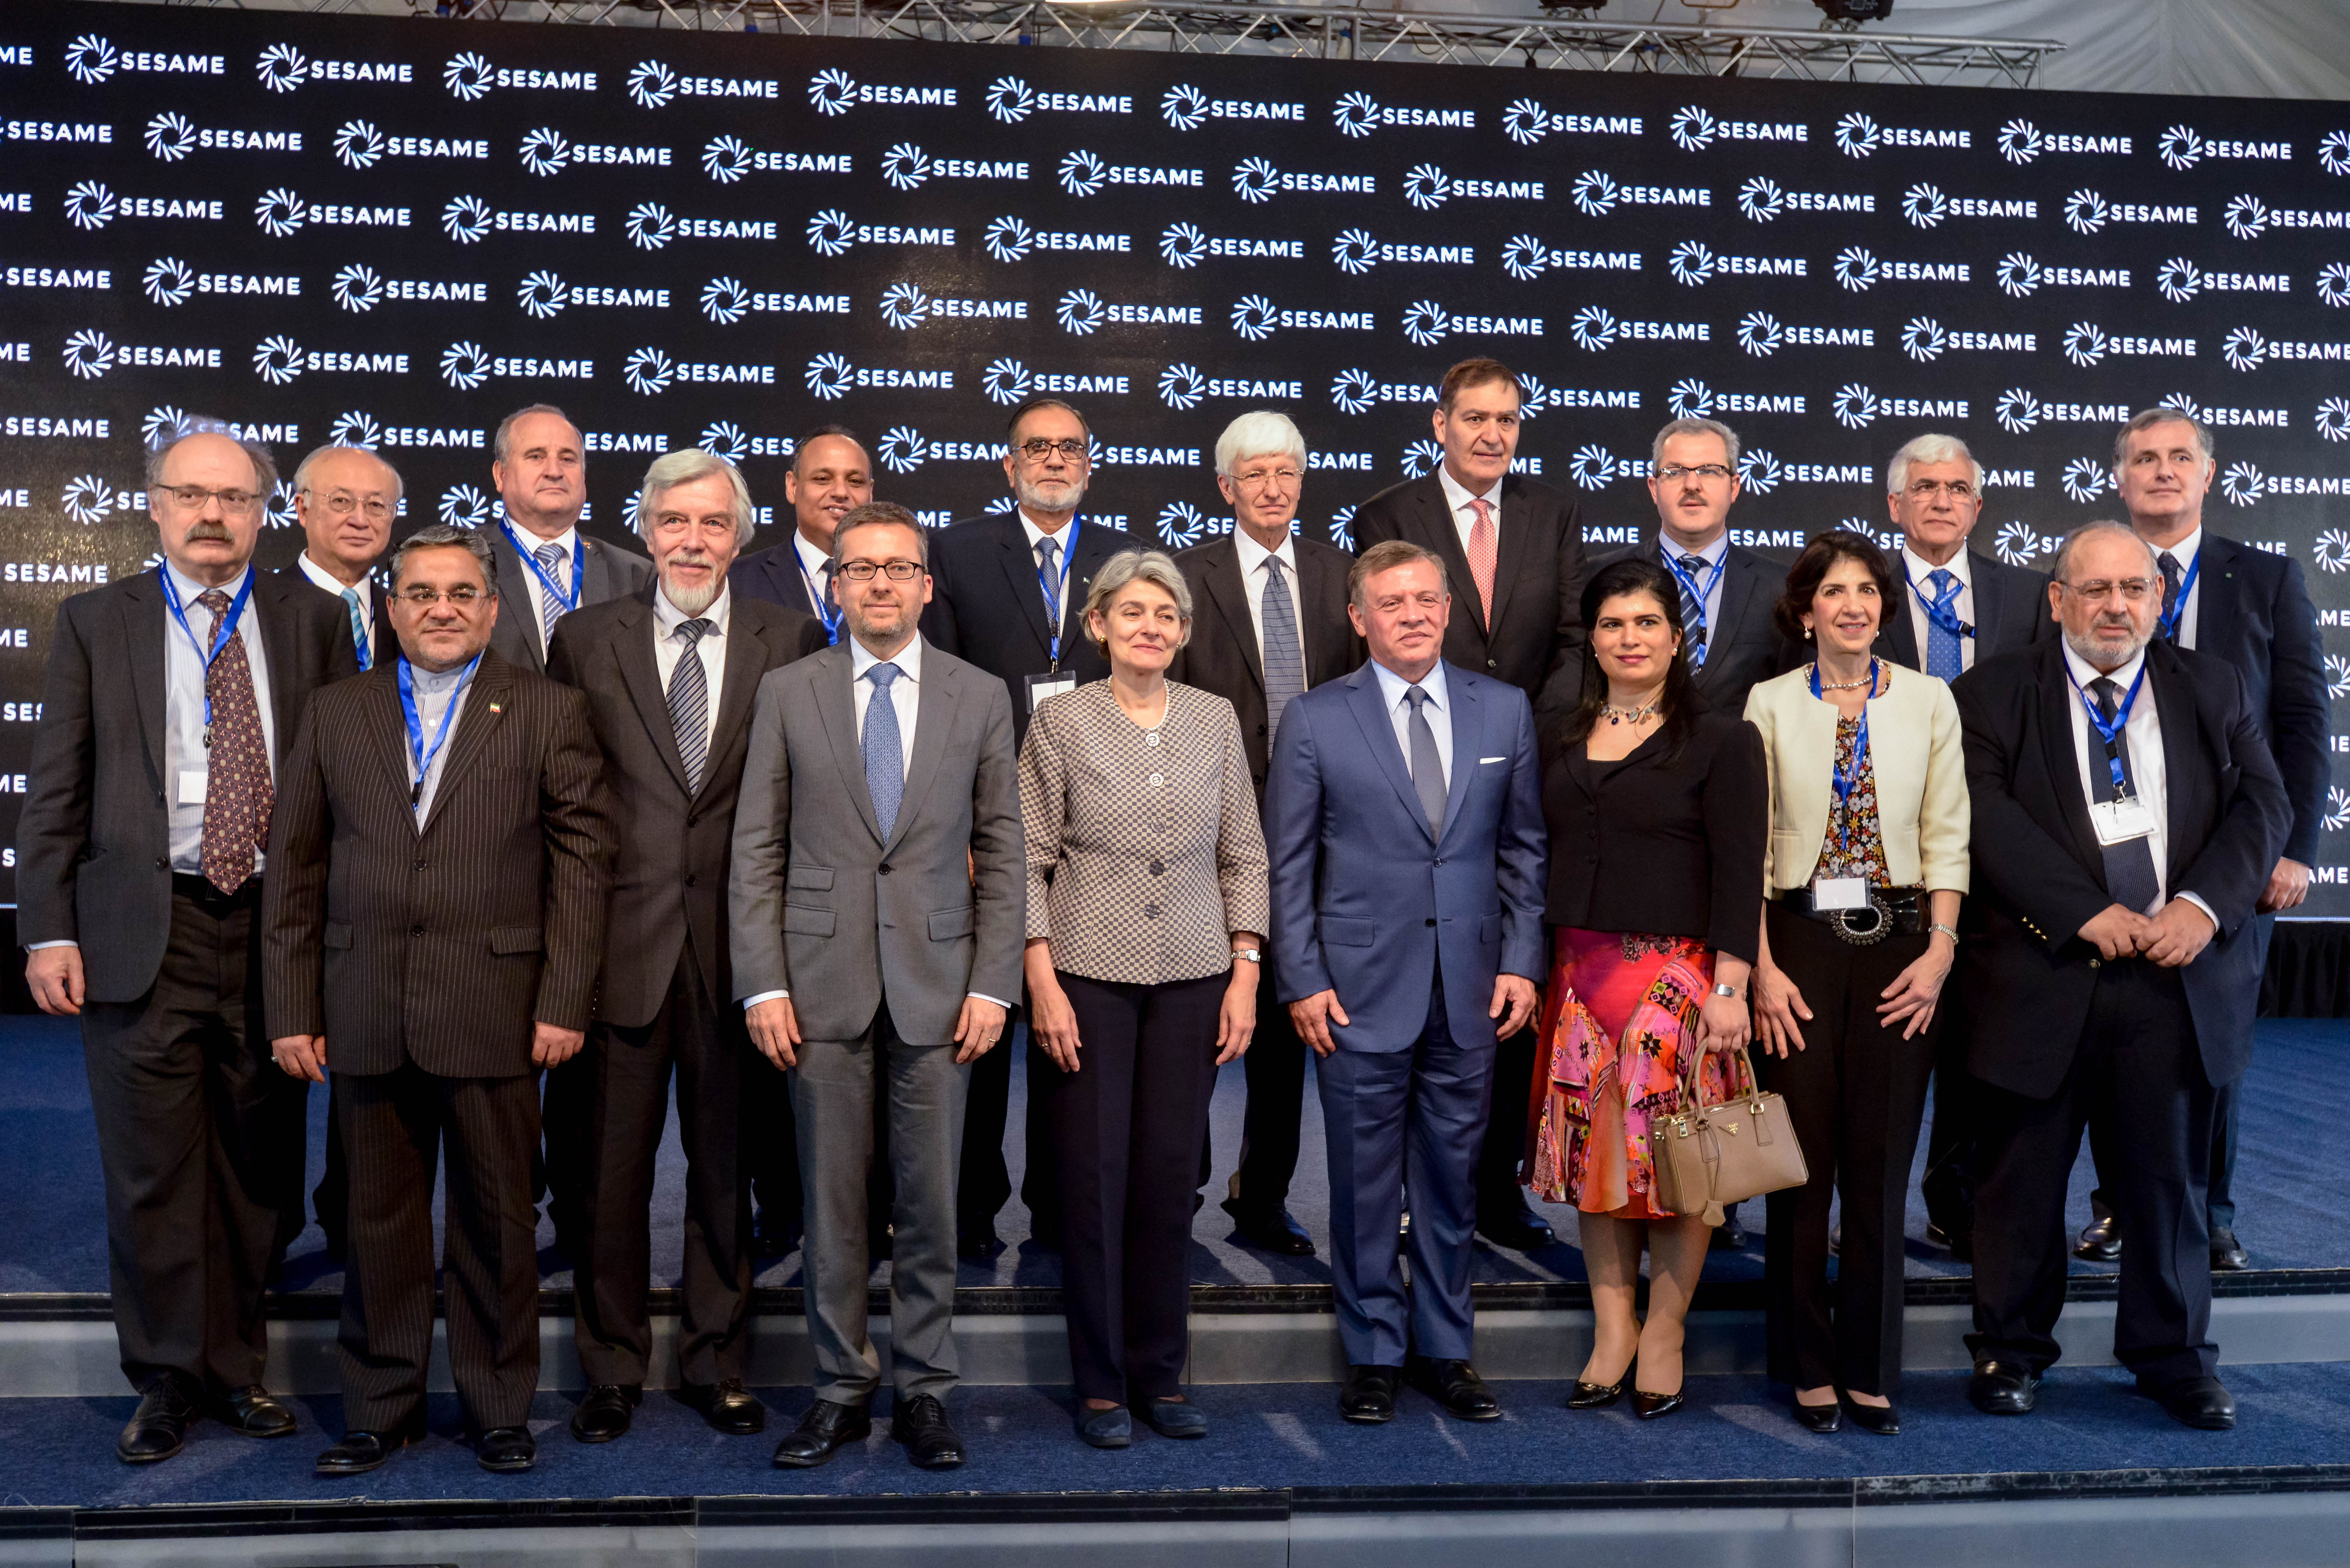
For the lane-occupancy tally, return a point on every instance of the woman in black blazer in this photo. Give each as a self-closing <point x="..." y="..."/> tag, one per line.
<point x="1656" y="809"/>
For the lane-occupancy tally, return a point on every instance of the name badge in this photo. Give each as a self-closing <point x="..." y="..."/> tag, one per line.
<point x="192" y="788"/>
<point x="1042" y="686"/>
<point x="2119" y="821"/>
<point x="1839" y="892"/>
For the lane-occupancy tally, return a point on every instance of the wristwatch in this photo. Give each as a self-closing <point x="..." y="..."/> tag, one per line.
<point x="1946" y="931"/>
<point x="1248" y="955"/>
<point x="1729" y="991"/>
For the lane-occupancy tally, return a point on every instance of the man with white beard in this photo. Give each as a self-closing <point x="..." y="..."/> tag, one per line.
<point x="670" y="671"/>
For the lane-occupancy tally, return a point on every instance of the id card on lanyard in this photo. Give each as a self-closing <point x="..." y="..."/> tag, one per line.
<point x="569" y="600"/>
<point x="2126" y="815"/>
<point x="1040" y="686"/>
<point x="193" y="781"/>
<point x="1846" y="892"/>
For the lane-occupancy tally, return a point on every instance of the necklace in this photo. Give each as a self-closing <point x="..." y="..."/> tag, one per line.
<point x="1868" y="679"/>
<point x="1640" y="715"/>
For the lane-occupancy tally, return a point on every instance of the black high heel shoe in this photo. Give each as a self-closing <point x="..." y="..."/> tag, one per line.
<point x="1823" y="1419"/>
<point x="1882" y="1419"/>
<point x="1599" y="1395"/>
<point x="1656" y="1407"/>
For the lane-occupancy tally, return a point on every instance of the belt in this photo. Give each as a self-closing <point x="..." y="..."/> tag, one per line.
<point x="1889" y="912"/>
<point x="189" y="886"/>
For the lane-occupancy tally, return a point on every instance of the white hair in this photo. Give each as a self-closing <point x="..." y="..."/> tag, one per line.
<point x="1260" y="432"/>
<point x="1928" y="448"/>
<point x="672" y="469"/>
<point x="302" y="469"/>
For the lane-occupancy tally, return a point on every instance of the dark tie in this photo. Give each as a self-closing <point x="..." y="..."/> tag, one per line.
<point x="1284" y="662"/>
<point x="689" y="702"/>
<point x="237" y="793"/>
<point x="828" y="612"/>
<point x="1942" y="644"/>
<point x="1693" y="611"/>
<point x="2171" y="576"/>
<point x="2129" y="865"/>
<point x="1048" y="564"/>
<point x="1427" y="762"/>
<point x="885" y="753"/>
<point x="551" y="557"/>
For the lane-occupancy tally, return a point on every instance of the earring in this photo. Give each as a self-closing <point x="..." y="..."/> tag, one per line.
<point x="1807" y="634"/>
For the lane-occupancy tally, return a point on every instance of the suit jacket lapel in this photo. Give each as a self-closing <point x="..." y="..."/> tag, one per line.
<point x="1438" y="533"/>
<point x="632" y="646"/>
<point x="742" y="656"/>
<point x="1379" y="733"/>
<point x="514" y="588"/>
<point x="935" y="697"/>
<point x="2182" y="768"/>
<point x="1516" y="537"/>
<point x="1020" y="570"/>
<point x="1468" y="735"/>
<point x="1899" y="632"/>
<point x="1092" y="546"/>
<point x="2214" y="597"/>
<point x="275" y="619"/>
<point x="832" y="670"/>
<point x="1990" y="612"/>
<point x="387" y="726"/>
<point x="1231" y="594"/>
<point x="1322" y="590"/>
<point x="475" y="725"/>
<point x="2063" y="758"/>
<point x="144" y="617"/>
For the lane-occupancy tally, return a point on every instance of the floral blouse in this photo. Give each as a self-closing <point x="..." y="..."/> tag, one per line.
<point x="1853" y="847"/>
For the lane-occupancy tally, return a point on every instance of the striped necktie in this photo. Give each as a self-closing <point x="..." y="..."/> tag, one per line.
<point x="359" y="629"/>
<point x="551" y="607"/>
<point x="1693" y="569"/>
<point x="1284" y="660"/>
<point x="689" y="702"/>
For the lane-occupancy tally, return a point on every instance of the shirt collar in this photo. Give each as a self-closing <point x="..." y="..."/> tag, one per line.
<point x="2185" y="551"/>
<point x="433" y="682"/>
<point x="331" y="583"/>
<point x="1254" y="555"/>
<point x="2083" y="671"/>
<point x="1392" y="686"/>
<point x="1921" y="569"/>
<point x="1065" y="538"/>
<point x="909" y="660"/>
<point x="568" y="539"/>
<point x="812" y="556"/>
<point x="191" y="590"/>
<point x="670" y="617"/>
<point x="1666" y="545"/>
<point x="1457" y="496"/>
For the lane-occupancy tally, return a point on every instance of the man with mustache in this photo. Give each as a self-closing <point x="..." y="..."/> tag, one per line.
<point x="670" y="672"/>
<point x="171" y="699"/>
<point x="830" y="474"/>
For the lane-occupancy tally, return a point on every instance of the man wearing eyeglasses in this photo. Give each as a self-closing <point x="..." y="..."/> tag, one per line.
<point x="1008" y="594"/>
<point x="170" y="697"/>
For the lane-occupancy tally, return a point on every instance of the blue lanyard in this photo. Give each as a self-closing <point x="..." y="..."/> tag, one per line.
<point x="818" y="596"/>
<point x="569" y="601"/>
<point x="1068" y="559"/>
<point x="1846" y="783"/>
<point x="1941" y="615"/>
<point x="219" y="638"/>
<point x="2169" y="627"/>
<point x="1712" y="578"/>
<point x="417" y="751"/>
<point x="2112" y="733"/>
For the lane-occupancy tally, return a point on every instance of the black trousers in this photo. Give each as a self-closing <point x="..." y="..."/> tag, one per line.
<point x="396" y="1127"/>
<point x="1498" y="1192"/>
<point x="1855" y="1094"/>
<point x="1275" y="1066"/>
<point x="561" y="1171"/>
<point x="200" y="1136"/>
<point x="771" y="1160"/>
<point x="632" y="1069"/>
<point x="1127" y="1126"/>
<point x="2137" y="1076"/>
<point x="1948" y="1185"/>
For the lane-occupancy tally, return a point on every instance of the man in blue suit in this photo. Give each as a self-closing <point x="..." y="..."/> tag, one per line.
<point x="1409" y="865"/>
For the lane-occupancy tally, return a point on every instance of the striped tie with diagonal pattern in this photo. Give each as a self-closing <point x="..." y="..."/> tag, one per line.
<point x="550" y="609"/>
<point x="689" y="702"/>
<point x="1284" y="660"/>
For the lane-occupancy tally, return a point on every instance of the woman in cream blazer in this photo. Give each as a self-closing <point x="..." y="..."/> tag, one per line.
<point x="1866" y="865"/>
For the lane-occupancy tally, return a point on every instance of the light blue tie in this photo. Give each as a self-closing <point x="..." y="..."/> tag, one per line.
<point x="1942" y="659"/>
<point x="1049" y="569"/>
<point x="551" y="557"/>
<point x="358" y="629"/>
<point x="885" y="754"/>
<point x="1285" y="661"/>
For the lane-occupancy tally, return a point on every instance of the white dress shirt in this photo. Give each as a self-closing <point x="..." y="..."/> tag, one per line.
<point x="1711" y="580"/>
<point x="183" y="709"/>
<point x="363" y="591"/>
<point x="1392" y="690"/>
<point x="2149" y="782"/>
<point x="712" y="648"/>
<point x="813" y="560"/>
<point x="1920" y="593"/>
<point x="569" y="542"/>
<point x="1063" y="539"/>
<point x="436" y="689"/>
<point x="2184" y="553"/>
<point x="1464" y="517"/>
<point x="1254" y="579"/>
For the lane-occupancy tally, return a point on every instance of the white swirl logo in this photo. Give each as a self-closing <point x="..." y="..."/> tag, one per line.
<point x="1426" y="322"/>
<point x="280" y="212"/>
<point x="164" y="422"/>
<point x="1005" y="381"/>
<point x="905" y="306"/>
<point x="352" y="428"/>
<point x="2085" y="210"/>
<point x="905" y="166"/>
<point x="468" y="76"/>
<point x="1008" y="240"/>
<point x="647" y="372"/>
<point x="1422" y="456"/>
<point x="2332" y="551"/>
<point x="725" y="301"/>
<point x="2018" y="546"/>
<point x="280" y="511"/>
<point x="170" y="136"/>
<point x="1181" y="386"/>
<point x="1537" y="397"/>
<point x="2337" y="799"/>
<point x="546" y="150"/>
<point x="902" y="449"/>
<point x="277" y="359"/>
<point x="2085" y="344"/>
<point x="464" y="507"/>
<point x="169" y="281"/>
<point x="2334" y="285"/>
<point x="358" y="289"/>
<point x="1342" y="528"/>
<point x="1692" y="128"/>
<point x="2019" y="275"/>
<point x="1080" y="311"/>
<point x="1690" y="400"/>
<point x="2333" y="419"/>
<point x="1925" y="205"/>
<point x="1426" y="187"/>
<point x="90" y="59"/>
<point x="89" y="354"/>
<point x="2183" y="403"/>
<point x="543" y="295"/>
<point x="830" y="232"/>
<point x="2019" y="142"/>
<point x="359" y="144"/>
<point x="724" y="437"/>
<point x="1758" y="471"/>
<point x="1082" y="173"/>
<point x="465" y="220"/>
<point x="2018" y="411"/>
<point x="1182" y="245"/>
<point x="1855" y="406"/>
<point x="89" y="205"/>
<point x="829" y="376"/>
<point x="1691" y="262"/>
<point x="1357" y="114"/>
<point x="1253" y="179"/>
<point x="1526" y="122"/>
<point x="2246" y="217"/>
<point x="2084" y="479"/>
<point x="1760" y="199"/>
<point x="2337" y="684"/>
<point x="726" y="159"/>
<point x="1923" y="338"/>
<point x="1596" y="193"/>
<point x="652" y="84"/>
<point x="2179" y="279"/>
<point x="1254" y="317"/>
<point x="1180" y="525"/>
<point x="465" y="366"/>
<point x="2333" y="152"/>
<point x="1760" y="334"/>
<point x="650" y="227"/>
<point x="1355" y="252"/>
<point x="1591" y="467"/>
<point x="1184" y="108"/>
<point x="1525" y="257"/>
<point x="282" y="69"/>
<point x="2244" y="350"/>
<point x="1009" y="100"/>
<point x="2244" y="483"/>
<point x="1856" y="269"/>
<point x="2180" y="148"/>
<point x="831" y="91"/>
<point x="1355" y="392"/>
<point x="1592" y="328"/>
<point x="1856" y="135"/>
<point x="86" y="499"/>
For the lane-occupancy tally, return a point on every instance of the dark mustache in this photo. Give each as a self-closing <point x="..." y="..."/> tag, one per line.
<point x="212" y="531"/>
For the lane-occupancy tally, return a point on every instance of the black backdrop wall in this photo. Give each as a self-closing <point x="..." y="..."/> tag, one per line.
<point x="391" y="232"/>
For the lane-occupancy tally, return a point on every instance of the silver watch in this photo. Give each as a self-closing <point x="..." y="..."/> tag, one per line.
<point x="1729" y="991"/>
<point x="1248" y="955"/>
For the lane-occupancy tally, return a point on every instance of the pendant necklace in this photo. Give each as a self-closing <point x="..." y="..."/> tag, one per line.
<point x="1639" y="715"/>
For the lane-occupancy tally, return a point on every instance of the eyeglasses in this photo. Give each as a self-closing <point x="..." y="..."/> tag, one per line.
<point x="862" y="571"/>
<point x="460" y="597"/>
<point x="1257" y="478"/>
<point x="2134" y="589"/>
<point x="342" y="503"/>
<point x="1957" y="489"/>
<point x="1674" y="472"/>
<point x="1037" y="449"/>
<point x="192" y="497"/>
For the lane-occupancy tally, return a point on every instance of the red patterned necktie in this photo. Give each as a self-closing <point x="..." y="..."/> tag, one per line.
<point x="1484" y="550"/>
<point x="237" y="793"/>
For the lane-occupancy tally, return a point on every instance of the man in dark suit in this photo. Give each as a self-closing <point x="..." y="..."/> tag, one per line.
<point x="2251" y="609"/>
<point x="1515" y="547"/>
<point x="1008" y="594"/>
<point x="1270" y="623"/>
<point x="1957" y="605"/>
<point x="169" y="699"/>
<point x="2127" y="818"/>
<point x="830" y="476"/>
<point x="1409" y="862"/>
<point x="441" y="861"/>
<point x="669" y="673"/>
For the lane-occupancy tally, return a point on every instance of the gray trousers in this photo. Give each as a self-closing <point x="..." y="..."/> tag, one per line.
<point x="832" y="1100"/>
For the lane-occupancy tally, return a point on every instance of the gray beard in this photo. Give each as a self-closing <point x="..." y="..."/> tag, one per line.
<point x="693" y="601"/>
<point x="1033" y="499"/>
<point x="2091" y="654"/>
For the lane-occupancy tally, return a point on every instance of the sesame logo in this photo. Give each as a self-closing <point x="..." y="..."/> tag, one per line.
<point x="648" y="371"/>
<point x="353" y="428"/>
<point x="86" y="499"/>
<point x="2243" y="484"/>
<point x="902" y="449"/>
<point x="545" y="151"/>
<point x="89" y="59"/>
<point x="1080" y="311"/>
<point x="1182" y="245"/>
<point x="2019" y="275"/>
<point x="282" y="67"/>
<point x="2331" y="552"/>
<point x="359" y="144"/>
<point x="1426" y="322"/>
<point x="2180" y="148"/>
<point x="2018" y="546"/>
<point x="2334" y="285"/>
<point x="89" y="205"/>
<point x="1760" y="199"/>
<point x="465" y="220"/>
<point x="464" y="507"/>
<point x="1923" y="338"/>
<point x="1254" y="317"/>
<point x="1591" y="467"/>
<point x="725" y="300"/>
<point x="1355" y="252"/>
<point x="2333" y="152"/>
<point x="277" y="360"/>
<point x="1692" y="128"/>
<point x="650" y="227"/>
<point x="1758" y="471"/>
<point x="726" y="159"/>
<point x="169" y="281"/>
<point x="652" y="85"/>
<point x="2085" y="210"/>
<point x="2085" y="344"/>
<point x="468" y="76"/>
<point x="2337" y="684"/>
<point x="1856" y="135"/>
<point x="465" y="366"/>
<point x="1009" y="239"/>
<point x="1855" y="406"/>
<point x="829" y="376"/>
<point x="1856" y="269"/>
<point x="1690" y="400"/>
<point x="1009" y="100"/>
<point x="1925" y="205"/>
<point x="1180" y="525"/>
<point x="1594" y="193"/>
<point x="357" y="288"/>
<point x="829" y="233"/>
<point x="2246" y="217"/>
<point x="1355" y="392"/>
<point x="542" y="295"/>
<point x="1760" y="334"/>
<point x="1691" y="262"/>
<point x="1525" y="257"/>
<point x="170" y="136"/>
<point x="2179" y="279"/>
<point x="280" y="212"/>
<point x="1005" y="381"/>
<point x="2337" y="799"/>
<point x="2017" y="410"/>
<point x="905" y="166"/>
<point x="1184" y="108"/>
<point x="1253" y="179"/>
<point x="2333" y="419"/>
<point x="2019" y="142"/>
<point x="1083" y="175"/>
<point x="1357" y="114"/>
<point x="831" y="91"/>
<point x="1594" y="327"/>
<point x="1342" y="528"/>
<point x="164" y="422"/>
<point x="1426" y="187"/>
<point x="1526" y="122"/>
<point x="724" y="437"/>
<point x="89" y="354"/>
<point x="904" y="306"/>
<point x="2084" y="479"/>
<point x="1421" y="456"/>
<point x="2244" y="350"/>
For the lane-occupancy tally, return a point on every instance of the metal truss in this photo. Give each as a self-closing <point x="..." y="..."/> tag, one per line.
<point x="1348" y="30"/>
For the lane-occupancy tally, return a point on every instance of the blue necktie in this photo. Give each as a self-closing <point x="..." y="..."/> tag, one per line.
<point x="2130" y="877"/>
<point x="1427" y="762"/>
<point x="689" y="702"/>
<point x="1942" y="659"/>
<point x="358" y="629"/>
<point x="1693" y="612"/>
<point x="2171" y="578"/>
<point x="1048" y="567"/>
<point x="551" y="609"/>
<point x="1285" y="661"/>
<point x="885" y="754"/>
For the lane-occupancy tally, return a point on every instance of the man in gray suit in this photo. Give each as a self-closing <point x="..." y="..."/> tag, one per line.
<point x="877" y="907"/>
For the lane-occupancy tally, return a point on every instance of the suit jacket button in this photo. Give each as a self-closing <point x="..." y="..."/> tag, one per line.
<point x="1492" y="664"/>
<point x="689" y="878"/>
<point x="162" y="863"/>
<point x="416" y="930"/>
<point x="885" y="868"/>
<point x="1159" y="867"/>
<point x="1432" y="922"/>
<point x="1151" y="910"/>
<point x="2095" y="962"/>
<point x="420" y="865"/>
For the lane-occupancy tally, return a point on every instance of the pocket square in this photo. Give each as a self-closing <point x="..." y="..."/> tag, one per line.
<point x="1482" y="762"/>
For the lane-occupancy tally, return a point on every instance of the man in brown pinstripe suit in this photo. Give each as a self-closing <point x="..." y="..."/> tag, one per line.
<point x="441" y="862"/>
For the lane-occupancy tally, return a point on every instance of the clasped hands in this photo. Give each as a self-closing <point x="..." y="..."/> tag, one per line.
<point x="2172" y="936"/>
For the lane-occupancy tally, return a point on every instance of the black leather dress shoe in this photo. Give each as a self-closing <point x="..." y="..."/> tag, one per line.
<point x="1268" y="1230"/>
<point x="1656" y="1407"/>
<point x="159" y="1427"/>
<point x="1367" y="1397"/>
<point x="921" y="1424"/>
<point x="254" y="1412"/>
<point x="1455" y="1385"/>
<point x="1516" y="1227"/>
<point x="727" y="1406"/>
<point x="827" y="1427"/>
<point x="605" y="1413"/>
<point x="1822" y="1418"/>
<point x="977" y="1242"/>
<point x="1172" y="1418"/>
<point x="506" y="1450"/>
<point x="1882" y="1419"/>
<point x="1953" y="1238"/>
<point x="2202" y="1403"/>
<point x="361" y="1451"/>
<point x="2002" y="1388"/>
<point x="2101" y="1241"/>
<point x="1599" y="1395"/>
<point x="2228" y="1254"/>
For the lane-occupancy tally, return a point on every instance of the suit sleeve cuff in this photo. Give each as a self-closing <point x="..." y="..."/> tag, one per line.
<point x="750" y="1002"/>
<point x="2209" y="914"/>
<point x="984" y="997"/>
